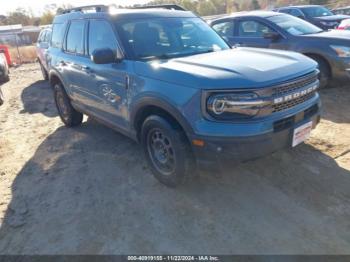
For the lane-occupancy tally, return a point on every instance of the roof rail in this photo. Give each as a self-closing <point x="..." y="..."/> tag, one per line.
<point x="166" y="6"/>
<point x="96" y="8"/>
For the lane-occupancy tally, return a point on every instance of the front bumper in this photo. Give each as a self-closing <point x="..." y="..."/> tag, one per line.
<point x="219" y="151"/>
<point x="340" y="70"/>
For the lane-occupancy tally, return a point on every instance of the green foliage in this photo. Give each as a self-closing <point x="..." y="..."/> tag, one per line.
<point x="47" y="18"/>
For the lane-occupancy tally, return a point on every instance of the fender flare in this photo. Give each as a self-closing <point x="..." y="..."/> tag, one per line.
<point x="164" y="105"/>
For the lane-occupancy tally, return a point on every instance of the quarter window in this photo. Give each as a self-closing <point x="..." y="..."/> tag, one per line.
<point x="253" y="29"/>
<point x="75" y="37"/>
<point x="58" y="35"/>
<point x="101" y="35"/>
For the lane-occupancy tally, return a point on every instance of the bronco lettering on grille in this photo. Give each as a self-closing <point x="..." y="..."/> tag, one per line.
<point x="294" y="95"/>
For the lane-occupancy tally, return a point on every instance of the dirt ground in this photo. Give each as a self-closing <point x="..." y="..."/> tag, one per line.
<point x="88" y="190"/>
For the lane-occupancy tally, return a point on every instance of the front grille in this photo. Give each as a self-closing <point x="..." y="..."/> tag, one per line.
<point x="296" y="84"/>
<point x="291" y="103"/>
<point x="291" y="88"/>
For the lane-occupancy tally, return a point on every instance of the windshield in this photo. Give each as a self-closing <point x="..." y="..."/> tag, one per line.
<point x="163" y="38"/>
<point x="294" y="25"/>
<point x="316" y="11"/>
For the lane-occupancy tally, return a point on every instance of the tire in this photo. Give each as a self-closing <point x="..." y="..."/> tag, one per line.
<point x="1" y="98"/>
<point x="167" y="151"/>
<point x="325" y="71"/>
<point x="44" y="72"/>
<point x="69" y="116"/>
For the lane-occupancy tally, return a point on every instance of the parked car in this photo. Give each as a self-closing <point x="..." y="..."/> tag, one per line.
<point x="4" y="74"/>
<point x="167" y="80"/>
<point x="315" y="14"/>
<point x="344" y="25"/>
<point x="342" y="11"/>
<point x="4" y="68"/>
<point x="42" y="46"/>
<point x="274" y="30"/>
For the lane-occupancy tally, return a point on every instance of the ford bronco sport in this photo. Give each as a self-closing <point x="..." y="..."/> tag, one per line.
<point x="166" y="79"/>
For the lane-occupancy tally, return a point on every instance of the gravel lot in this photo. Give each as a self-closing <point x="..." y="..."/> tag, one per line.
<point x="88" y="190"/>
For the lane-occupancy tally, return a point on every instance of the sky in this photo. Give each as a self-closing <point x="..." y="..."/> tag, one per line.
<point x="37" y="6"/>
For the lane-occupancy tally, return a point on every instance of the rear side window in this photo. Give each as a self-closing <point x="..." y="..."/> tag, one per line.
<point x="75" y="37"/>
<point x="58" y="35"/>
<point x="101" y="35"/>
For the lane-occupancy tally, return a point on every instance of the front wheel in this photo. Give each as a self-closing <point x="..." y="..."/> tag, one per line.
<point x="69" y="116"/>
<point x="167" y="151"/>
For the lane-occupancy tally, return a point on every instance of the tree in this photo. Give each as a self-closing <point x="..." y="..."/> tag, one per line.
<point x="19" y="16"/>
<point x="255" y="5"/>
<point x="46" y="18"/>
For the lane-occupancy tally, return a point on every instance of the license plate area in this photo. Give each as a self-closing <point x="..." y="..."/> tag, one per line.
<point x="301" y="133"/>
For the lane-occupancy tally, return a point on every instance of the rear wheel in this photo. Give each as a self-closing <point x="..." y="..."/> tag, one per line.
<point x="69" y="116"/>
<point x="325" y="71"/>
<point x="167" y="151"/>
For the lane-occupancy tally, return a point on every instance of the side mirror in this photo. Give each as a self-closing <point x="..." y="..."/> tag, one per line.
<point x="105" y="56"/>
<point x="272" y="35"/>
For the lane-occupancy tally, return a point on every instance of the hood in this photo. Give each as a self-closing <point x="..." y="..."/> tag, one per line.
<point x="333" y="34"/>
<point x="234" y="68"/>
<point x="331" y="18"/>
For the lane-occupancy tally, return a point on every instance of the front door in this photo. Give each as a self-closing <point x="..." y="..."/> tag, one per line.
<point x="251" y="33"/>
<point x="106" y="85"/>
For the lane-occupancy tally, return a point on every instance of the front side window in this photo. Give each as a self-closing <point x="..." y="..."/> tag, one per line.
<point x="296" y="12"/>
<point x="47" y="36"/>
<point x="75" y="37"/>
<point x="224" y="29"/>
<point x="317" y="11"/>
<point x="252" y="28"/>
<point x="101" y="36"/>
<point x="169" y="37"/>
<point x="294" y="25"/>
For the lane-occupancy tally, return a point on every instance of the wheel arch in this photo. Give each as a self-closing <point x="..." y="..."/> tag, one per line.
<point x="153" y="106"/>
<point x="322" y="57"/>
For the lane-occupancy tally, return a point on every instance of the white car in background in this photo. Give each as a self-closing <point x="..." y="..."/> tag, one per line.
<point x="4" y="74"/>
<point x="344" y="25"/>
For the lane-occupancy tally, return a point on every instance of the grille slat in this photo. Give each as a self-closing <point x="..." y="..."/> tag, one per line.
<point x="290" y="87"/>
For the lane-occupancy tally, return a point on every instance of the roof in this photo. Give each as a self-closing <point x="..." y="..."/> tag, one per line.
<point x="263" y="14"/>
<point x="125" y="13"/>
<point x="298" y="6"/>
<point x="10" y="28"/>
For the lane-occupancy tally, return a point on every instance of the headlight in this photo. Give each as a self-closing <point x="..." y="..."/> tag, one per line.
<point x="234" y="105"/>
<point x="329" y="23"/>
<point x="342" y="51"/>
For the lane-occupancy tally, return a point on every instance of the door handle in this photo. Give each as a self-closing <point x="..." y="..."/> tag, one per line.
<point x="62" y="63"/>
<point x="86" y="69"/>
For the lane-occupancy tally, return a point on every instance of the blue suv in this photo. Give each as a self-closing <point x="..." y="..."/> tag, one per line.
<point x="167" y="80"/>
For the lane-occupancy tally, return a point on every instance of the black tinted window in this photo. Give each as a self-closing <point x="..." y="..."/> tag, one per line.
<point x="224" y="28"/>
<point x="75" y="37"/>
<point x="101" y="35"/>
<point x="58" y="35"/>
